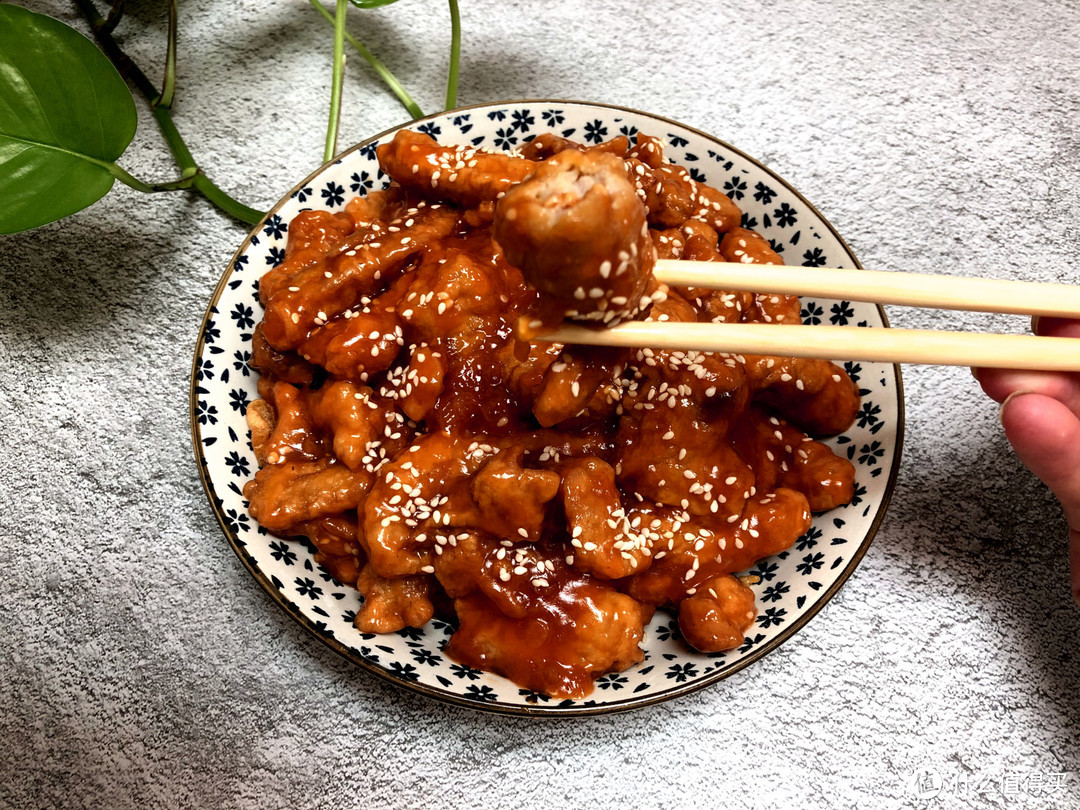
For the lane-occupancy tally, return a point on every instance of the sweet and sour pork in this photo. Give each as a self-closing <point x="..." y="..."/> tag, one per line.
<point x="546" y="499"/>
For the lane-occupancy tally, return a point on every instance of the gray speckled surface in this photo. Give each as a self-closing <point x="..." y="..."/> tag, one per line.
<point x="143" y="667"/>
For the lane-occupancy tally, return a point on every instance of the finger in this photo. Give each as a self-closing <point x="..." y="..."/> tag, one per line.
<point x="1055" y="327"/>
<point x="1046" y="437"/>
<point x="1000" y="383"/>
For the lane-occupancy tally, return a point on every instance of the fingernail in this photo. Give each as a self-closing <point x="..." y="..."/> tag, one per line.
<point x="1007" y="400"/>
<point x="1035" y="324"/>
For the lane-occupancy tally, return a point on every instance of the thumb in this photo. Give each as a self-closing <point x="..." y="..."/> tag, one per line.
<point x="1046" y="437"/>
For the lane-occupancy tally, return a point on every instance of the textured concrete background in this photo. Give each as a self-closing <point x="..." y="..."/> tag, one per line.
<point x="143" y="667"/>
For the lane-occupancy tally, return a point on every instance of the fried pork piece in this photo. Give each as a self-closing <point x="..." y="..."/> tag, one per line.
<point x="694" y="550"/>
<point x="816" y="395"/>
<point x="718" y="615"/>
<point x="294" y="436"/>
<point x="607" y="539"/>
<point x="282" y="495"/>
<point x="339" y="551"/>
<point x="547" y="144"/>
<point x="287" y="367"/>
<point x="304" y="298"/>
<point x="365" y="429"/>
<point x="410" y="501"/>
<point x="782" y="456"/>
<point x="510" y="499"/>
<point x="466" y="176"/>
<point x="577" y="231"/>
<point x="672" y="197"/>
<point x="526" y="614"/>
<point x="571" y="385"/>
<point x="392" y="604"/>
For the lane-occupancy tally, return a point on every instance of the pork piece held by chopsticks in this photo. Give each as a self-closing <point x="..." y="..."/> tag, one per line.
<point x="577" y="230"/>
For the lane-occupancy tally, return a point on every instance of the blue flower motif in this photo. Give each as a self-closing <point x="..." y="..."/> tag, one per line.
<point x="613" y="681"/>
<point x="748" y="221"/>
<point x="630" y="132"/>
<point x="206" y="414"/>
<point x="204" y="369"/>
<point x="763" y="194"/>
<point x="841" y="312"/>
<point x="677" y="141"/>
<point x="482" y="693"/>
<point x="302" y="193"/>
<point x="281" y="552"/>
<point x="774" y="593"/>
<point x="853" y="370"/>
<point x="785" y="215"/>
<point x="681" y="672"/>
<point x="766" y="570"/>
<point x="275" y="226"/>
<point x="496" y="115"/>
<point x="238" y="399"/>
<point x="814" y="258"/>
<point x="407" y="672"/>
<point x="749" y="643"/>
<point x="868" y="414"/>
<point x="772" y="616"/>
<point x="595" y="131"/>
<point x="810" y="563"/>
<point x="333" y="194"/>
<point x="276" y="256"/>
<point x="735" y="187"/>
<point x="552" y="117"/>
<point x="667" y="631"/>
<point x="307" y="587"/>
<point x="238" y="265"/>
<point x="808" y="540"/>
<point x="696" y="174"/>
<point x="242" y="314"/>
<point x="811" y="313"/>
<point x="870" y="453"/>
<point x="462" y="671"/>
<point x="361" y="183"/>
<point x="533" y="697"/>
<point x="522" y="120"/>
<point x="860" y="493"/>
<point x="242" y="362"/>
<point x="505" y="138"/>
<point x="236" y="522"/>
<point x="426" y="656"/>
<point x="237" y="463"/>
<point x="211" y="332"/>
<point x="431" y="129"/>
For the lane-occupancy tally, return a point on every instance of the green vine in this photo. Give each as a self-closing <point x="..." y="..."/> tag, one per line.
<point x="58" y="88"/>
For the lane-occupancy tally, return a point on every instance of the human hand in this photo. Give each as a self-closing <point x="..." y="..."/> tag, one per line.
<point x="1040" y="411"/>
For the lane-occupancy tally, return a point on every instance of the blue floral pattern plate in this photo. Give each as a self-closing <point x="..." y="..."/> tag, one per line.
<point x="791" y="587"/>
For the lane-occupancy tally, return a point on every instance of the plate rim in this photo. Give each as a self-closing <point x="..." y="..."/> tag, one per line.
<point x="537" y="711"/>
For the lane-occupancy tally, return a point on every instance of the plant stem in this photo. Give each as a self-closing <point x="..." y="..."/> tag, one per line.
<point x="389" y="79"/>
<point x="168" y="84"/>
<point x="336" y="81"/>
<point x="115" y="13"/>
<point x="455" y="56"/>
<point x="130" y="71"/>
<point x="137" y="184"/>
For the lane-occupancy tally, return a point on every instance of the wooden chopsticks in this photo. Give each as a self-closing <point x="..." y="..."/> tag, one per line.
<point x="880" y="287"/>
<point x="852" y="343"/>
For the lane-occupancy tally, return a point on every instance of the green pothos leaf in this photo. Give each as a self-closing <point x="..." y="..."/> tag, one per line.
<point x="65" y="117"/>
<point x="371" y="3"/>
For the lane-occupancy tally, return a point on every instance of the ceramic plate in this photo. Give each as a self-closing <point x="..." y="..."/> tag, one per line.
<point x="792" y="586"/>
